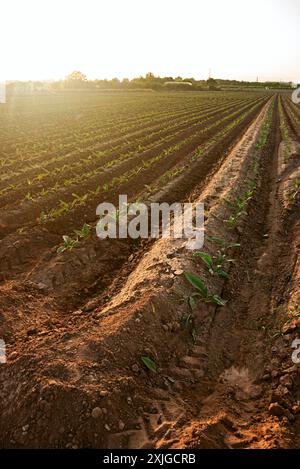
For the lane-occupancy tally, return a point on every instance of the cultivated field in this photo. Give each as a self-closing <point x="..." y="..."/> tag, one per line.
<point x="107" y="346"/>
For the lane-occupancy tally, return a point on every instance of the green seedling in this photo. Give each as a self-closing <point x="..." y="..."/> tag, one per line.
<point x="68" y="244"/>
<point x="185" y="321"/>
<point x="192" y="303"/>
<point x="28" y="196"/>
<point x="231" y="221"/>
<point x="293" y="193"/>
<point x="194" y="336"/>
<point x="150" y="364"/>
<point x="213" y="265"/>
<point x="238" y="207"/>
<point x="41" y="176"/>
<point x="222" y="244"/>
<point x="79" y="199"/>
<point x="203" y="290"/>
<point x="85" y="232"/>
<point x="44" y="192"/>
<point x="97" y="190"/>
<point x="207" y="259"/>
<point x="42" y="218"/>
<point x="58" y="212"/>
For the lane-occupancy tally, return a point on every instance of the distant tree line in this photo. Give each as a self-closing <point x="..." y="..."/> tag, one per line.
<point x="77" y="80"/>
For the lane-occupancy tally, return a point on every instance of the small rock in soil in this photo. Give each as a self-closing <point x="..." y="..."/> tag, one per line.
<point x="121" y="425"/>
<point x="96" y="413"/>
<point x="296" y="409"/>
<point x="266" y="377"/>
<point x="291" y="369"/>
<point x="276" y="409"/>
<point x="135" y="368"/>
<point x="287" y="381"/>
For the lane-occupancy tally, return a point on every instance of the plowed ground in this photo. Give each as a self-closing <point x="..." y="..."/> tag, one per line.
<point x="77" y="324"/>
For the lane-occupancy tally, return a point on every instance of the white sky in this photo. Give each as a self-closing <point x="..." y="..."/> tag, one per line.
<point x="47" y="39"/>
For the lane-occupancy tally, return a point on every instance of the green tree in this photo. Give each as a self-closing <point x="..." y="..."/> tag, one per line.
<point x="76" y="76"/>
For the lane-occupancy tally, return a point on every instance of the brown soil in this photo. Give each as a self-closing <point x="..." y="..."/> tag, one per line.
<point x="37" y="245"/>
<point x="115" y="146"/>
<point x="76" y="326"/>
<point x="20" y="213"/>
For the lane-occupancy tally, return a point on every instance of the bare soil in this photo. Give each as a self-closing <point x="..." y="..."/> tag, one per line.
<point x="76" y="326"/>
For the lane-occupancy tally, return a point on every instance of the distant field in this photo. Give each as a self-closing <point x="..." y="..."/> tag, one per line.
<point x="62" y="154"/>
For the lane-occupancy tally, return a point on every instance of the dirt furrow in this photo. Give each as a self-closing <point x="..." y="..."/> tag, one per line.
<point x="90" y="261"/>
<point x="133" y="407"/>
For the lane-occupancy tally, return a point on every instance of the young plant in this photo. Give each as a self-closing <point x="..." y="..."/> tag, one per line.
<point x="28" y="196"/>
<point x="231" y="221"/>
<point x="149" y="364"/>
<point x="185" y="321"/>
<point x="85" y="232"/>
<point x="223" y="250"/>
<point x="214" y="265"/>
<point x="68" y="244"/>
<point x="203" y="290"/>
<point x="293" y="193"/>
<point x="238" y="207"/>
<point x="222" y="244"/>
<point x="79" y="199"/>
<point x="42" y="218"/>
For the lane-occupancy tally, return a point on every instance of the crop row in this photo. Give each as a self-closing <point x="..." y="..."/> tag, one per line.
<point x="125" y="168"/>
<point x="186" y="150"/>
<point x="200" y="152"/>
<point x="94" y="162"/>
<point x="47" y="134"/>
<point x="82" y="152"/>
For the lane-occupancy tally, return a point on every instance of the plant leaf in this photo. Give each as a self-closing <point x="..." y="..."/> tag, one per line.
<point x="229" y="203"/>
<point x="185" y="320"/>
<point x="192" y="303"/>
<point x="207" y="259"/>
<point x="197" y="283"/>
<point x="218" y="300"/>
<point x="216" y="240"/>
<point x="149" y="364"/>
<point x="233" y="245"/>
<point x="222" y="274"/>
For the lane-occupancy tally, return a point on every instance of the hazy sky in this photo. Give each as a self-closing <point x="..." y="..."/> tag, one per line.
<point x="47" y="39"/>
